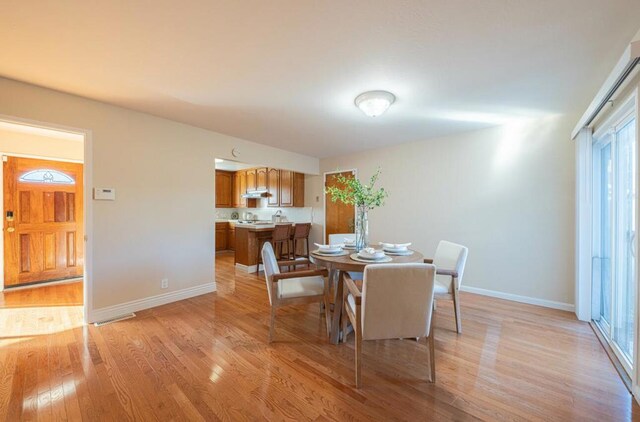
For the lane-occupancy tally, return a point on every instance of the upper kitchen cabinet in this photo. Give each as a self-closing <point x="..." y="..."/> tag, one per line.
<point x="224" y="189"/>
<point x="240" y="188"/>
<point x="286" y="188"/>
<point x="273" y="187"/>
<point x="251" y="179"/>
<point x="261" y="178"/>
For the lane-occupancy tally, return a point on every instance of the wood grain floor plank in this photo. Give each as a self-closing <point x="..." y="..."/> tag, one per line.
<point x="207" y="358"/>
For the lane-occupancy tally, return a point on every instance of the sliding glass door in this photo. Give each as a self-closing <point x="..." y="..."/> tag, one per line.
<point x="614" y="236"/>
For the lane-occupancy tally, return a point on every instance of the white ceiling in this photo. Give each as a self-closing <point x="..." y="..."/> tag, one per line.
<point x="285" y="73"/>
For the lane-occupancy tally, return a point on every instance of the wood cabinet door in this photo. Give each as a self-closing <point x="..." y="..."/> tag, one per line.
<point x="221" y="236"/>
<point x="261" y="179"/>
<point x="273" y="187"/>
<point x="231" y="240"/>
<point x="251" y="179"/>
<point x="236" y="190"/>
<point x="224" y="193"/>
<point x="43" y="221"/>
<point x="242" y="183"/>
<point x="286" y="188"/>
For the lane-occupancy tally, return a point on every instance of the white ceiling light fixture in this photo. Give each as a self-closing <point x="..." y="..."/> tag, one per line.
<point x="219" y="160"/>
<point x="374" y="103"/>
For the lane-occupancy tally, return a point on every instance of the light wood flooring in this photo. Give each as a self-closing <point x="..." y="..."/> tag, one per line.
<point x="207" y="358"/>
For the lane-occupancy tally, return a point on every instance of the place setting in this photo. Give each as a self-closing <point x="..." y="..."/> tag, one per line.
<point x="396" y="249"/>
<point x="329" y="250"/>
<point x="371" y="255"/>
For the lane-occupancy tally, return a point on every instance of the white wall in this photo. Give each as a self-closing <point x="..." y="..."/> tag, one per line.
<point x="162" y="223"/>
<point x="505" y="192"/>
<point x="12" y="142"/>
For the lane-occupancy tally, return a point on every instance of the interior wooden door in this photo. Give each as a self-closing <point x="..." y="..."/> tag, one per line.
<point x="43" y="220"/>
<point x="340" y="218"/>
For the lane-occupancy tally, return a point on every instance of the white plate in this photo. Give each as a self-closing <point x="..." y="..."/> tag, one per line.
<point x="395" y="250"/>
<point x="336" y="253"/>
<point x="328" y="251"/>
<point x="403" y="253"/>
<point x="355" y="257"/>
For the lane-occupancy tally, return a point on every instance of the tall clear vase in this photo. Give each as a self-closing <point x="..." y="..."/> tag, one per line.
<point x="362" y="228"/>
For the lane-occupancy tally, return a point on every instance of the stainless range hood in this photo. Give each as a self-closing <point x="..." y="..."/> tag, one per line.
<point x="251" y="194"/>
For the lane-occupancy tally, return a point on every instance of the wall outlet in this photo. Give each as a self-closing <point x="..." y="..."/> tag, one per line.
<point x="164" y="283"/>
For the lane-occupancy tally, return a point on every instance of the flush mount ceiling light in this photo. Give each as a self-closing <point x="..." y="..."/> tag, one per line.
<point x="374" y="103"/>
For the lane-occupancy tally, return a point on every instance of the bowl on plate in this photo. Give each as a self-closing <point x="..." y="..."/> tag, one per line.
<point x="370" y="253"/>
<point x="395" y="247"/>
<point x="329" y="249"/>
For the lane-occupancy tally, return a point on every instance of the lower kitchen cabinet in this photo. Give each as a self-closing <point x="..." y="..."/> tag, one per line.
<point x="222" y="230"/>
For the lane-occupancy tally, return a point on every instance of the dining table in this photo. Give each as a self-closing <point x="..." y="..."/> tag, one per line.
<point x="338" y="265"/>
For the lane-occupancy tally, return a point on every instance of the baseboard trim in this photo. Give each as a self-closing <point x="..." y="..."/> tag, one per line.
<point x="522" y="299"/>
<point x="247" y="268"/>
<point x="109" y="312"/>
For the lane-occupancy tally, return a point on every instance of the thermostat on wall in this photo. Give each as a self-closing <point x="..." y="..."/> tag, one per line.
<point x="104" y="194"/>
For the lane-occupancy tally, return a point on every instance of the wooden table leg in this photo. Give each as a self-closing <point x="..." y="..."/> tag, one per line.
<point x="337" y="310"/>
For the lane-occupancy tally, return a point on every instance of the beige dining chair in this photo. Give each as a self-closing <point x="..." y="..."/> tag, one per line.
<point x="396" y="302"/>
<point x="450" y="259"/>
<point x="295" y="287"/>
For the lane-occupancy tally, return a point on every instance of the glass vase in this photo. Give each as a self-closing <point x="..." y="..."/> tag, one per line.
<point x="362" y="228"/>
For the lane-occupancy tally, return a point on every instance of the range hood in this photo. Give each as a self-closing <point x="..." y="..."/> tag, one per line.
<point x="262" y="193"/>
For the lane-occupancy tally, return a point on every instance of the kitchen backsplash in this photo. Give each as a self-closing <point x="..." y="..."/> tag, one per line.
<point x="295" y="215"/>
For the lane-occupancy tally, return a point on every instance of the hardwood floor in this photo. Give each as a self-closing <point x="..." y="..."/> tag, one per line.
<point x="207" y="358"/>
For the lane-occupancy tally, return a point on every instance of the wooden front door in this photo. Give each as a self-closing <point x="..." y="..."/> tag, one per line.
<point x="43" y="220"/>
<point x="340" y="218"/>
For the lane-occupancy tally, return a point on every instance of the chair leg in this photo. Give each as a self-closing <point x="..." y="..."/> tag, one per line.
<point x="432" y="355"/>
<point x="327" y="311"/>
<point x="358" y="330"/>
<point x="272" y="323"/>
<point x="344" y="321"/>
<point x="456" y="309"/>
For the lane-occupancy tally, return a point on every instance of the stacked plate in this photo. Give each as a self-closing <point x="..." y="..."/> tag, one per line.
<point x="328" y="249"/>
<point x="400" y="249"/>
<point x="349" y="243"/>
<point x="371" y="254"/>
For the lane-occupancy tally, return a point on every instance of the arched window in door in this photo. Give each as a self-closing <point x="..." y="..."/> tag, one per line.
<point x="47" y="176"/>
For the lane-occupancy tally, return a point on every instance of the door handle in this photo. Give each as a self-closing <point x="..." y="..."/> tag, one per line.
<point x="11" y="229"/>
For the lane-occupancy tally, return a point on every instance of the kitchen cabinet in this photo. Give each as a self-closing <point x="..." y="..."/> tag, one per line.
<point x="261" y="179"/>
<point x="288" y="191"/>
<point x="251" y="179"/>
<point x="273" y="187"/>
<point x="224" y="189"/>
<point x="240" y="188"/>
<point x="231" y="237"/>
<point x="221" y="236"/>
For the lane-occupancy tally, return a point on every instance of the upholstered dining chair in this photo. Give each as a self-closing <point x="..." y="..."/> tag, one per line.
<point x="336" y="239"/>
<point x="450" y="259"/>
<point x="295" y="287"/>
<point x="396" y="302"/>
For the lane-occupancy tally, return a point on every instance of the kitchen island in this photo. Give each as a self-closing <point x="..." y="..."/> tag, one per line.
<point x="249" y="238"/>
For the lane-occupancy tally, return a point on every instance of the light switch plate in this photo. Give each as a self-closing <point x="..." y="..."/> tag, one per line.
<point x="104" y="194"/>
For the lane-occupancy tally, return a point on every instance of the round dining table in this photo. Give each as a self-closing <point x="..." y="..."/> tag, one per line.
<point x="338" y="265"/>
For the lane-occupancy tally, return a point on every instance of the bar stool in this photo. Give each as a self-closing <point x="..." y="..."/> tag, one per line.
<point x="280" y="238"/>
<point x="300" y="233"/>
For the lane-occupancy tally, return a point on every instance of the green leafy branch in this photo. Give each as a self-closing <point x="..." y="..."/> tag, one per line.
<point x="351" y="191"/>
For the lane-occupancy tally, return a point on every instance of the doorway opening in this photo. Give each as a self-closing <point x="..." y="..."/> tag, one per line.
<point x="43" y="247"/>
<point x="339" y="217"/>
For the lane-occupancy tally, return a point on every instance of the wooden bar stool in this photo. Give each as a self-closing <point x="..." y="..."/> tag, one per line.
<point x="280" y="238"/>
<point x="300" y="233"/>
